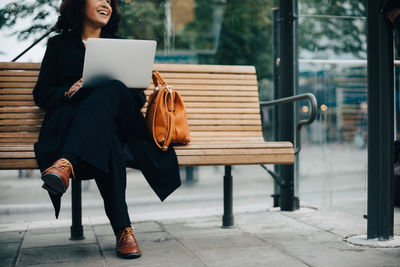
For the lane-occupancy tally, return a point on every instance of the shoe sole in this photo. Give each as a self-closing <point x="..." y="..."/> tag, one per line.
<point x="129" y="256"/>
<point x="53" y="183"/>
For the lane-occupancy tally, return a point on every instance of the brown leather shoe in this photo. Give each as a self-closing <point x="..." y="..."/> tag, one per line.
<point x="56" y="177"/>
<point x="127" y="246"/>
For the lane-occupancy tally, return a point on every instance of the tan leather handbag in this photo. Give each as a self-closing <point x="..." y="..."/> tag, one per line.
<point x="166" y="115"/>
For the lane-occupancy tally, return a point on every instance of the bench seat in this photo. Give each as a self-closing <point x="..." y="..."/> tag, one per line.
<point x="222" y="106"/>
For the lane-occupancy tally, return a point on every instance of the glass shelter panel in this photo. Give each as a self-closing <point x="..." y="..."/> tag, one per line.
<point x="332" y="66"/>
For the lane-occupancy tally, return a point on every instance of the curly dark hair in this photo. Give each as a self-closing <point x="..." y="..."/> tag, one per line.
<point x="72" y="14"/>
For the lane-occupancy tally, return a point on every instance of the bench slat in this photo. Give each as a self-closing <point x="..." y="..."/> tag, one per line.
<point x="219" y="99"/>
<point x="19" y="66"/>
<point x="212" y="93"/>
<point x="222" y="122"/>
<point x="21" y="116"/>
<point x="218" y="87"/>
<point x="24" y="73"/>
<point x="21" y="164"/>
<point x="16" y="91"/>
<point x="215" y="76"/>
<point x="20" y="128"/>
<point x="19" y="78"/>
<point x="177" y="82"/>
<point x="236" y="160"/>
<point x="224" y="128"/>
<point x="16" y="97"/>
<point x="17" y="103"/>
<point x="219" y="110"/>
<point x="13" y="135"/>
<point x="17" y="141"/>
<point x="4" y="148"/>
<point x="216" y="116"/>
<point x="248" y="144"/>
<point x="165" y="68"/>
<point x="196" y="134"/>
<point x="20" y="109"/>
<point x="234" y="152"/>
<point x="17" y="84"/>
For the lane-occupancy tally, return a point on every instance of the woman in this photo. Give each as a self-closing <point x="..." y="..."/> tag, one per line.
<point x="99" y="133"/>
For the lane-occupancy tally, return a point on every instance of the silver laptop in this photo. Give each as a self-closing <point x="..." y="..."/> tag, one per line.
<point x="130" y="61"/>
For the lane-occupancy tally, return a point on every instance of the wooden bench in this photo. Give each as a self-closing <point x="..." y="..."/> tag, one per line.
<point x="223" y="111"/>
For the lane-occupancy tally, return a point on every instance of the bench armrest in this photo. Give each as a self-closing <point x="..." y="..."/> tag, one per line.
<point x="311" y="115"/>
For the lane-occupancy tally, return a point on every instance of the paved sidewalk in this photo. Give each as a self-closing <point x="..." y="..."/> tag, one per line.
<point x="307" y="237"/>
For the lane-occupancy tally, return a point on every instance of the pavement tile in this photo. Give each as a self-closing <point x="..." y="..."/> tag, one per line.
<point x="11" y="236"/>
<point x="395" y="252"/>
<point x="270" y="221"/>
<point x="144" y="227"/>
<point x="103" y="229"/>
<point x="6" y="262"/>
<point x="166" y="253"/>
<point x="190" y="220"/>
<point x="219" y="242"/>
<point x="332" y="221"/>
<point x="94" y="263"/>
<point x="188" y="229"/>
<point x="55" y="239"/>
<point x="320" y="248"/>
<point x="60" y="254"/>
<point x="247" y="256"/>
<point x="56" y="230"/>
<point x="8" y="250"/>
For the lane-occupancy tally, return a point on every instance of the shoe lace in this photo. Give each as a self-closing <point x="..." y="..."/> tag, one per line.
<point x="127" y="235"/>
<point x="64" y="163"/>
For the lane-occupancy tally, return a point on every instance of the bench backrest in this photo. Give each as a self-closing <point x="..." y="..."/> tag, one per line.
<point x="221" y="101"/>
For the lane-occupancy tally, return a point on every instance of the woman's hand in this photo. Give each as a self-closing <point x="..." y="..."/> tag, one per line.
<point x="75" y="87"/>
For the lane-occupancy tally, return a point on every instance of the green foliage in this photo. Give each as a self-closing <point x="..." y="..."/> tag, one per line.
<point x="246" y="36"/>
<point x="38" y="10"/>
<point x="200" y="33"/>
<point x="143" y="20"/>
<point x="339" y="27"/>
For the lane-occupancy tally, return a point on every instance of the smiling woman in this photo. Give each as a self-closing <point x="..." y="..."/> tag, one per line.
<point x="100" y="133"/>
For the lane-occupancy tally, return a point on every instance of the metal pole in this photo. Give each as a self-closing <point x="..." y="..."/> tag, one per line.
<point x="76" y="228"/>
<point x="189" y="175"/>
<point x="286" y="89"/>
<point x="380" y="125"/>
<point x="32" y="45"/>
<point x="275" y="26"/>
<point x="227" y="218"/>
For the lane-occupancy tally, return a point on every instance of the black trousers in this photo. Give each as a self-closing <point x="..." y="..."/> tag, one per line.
<point x="103" y="119"/>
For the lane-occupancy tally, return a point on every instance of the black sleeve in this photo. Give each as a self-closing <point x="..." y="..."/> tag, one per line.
<point x="48" y="92"/>
<point x="141" y="99"/>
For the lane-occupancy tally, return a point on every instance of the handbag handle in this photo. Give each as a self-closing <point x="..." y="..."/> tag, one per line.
<point x="158" y="79"/>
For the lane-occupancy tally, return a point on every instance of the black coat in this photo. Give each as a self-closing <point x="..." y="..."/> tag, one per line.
<point x="61" y="67"/>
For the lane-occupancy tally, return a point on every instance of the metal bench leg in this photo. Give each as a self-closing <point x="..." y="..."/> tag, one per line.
<point x="76" y="228"/>
<point x="227" y="218"/>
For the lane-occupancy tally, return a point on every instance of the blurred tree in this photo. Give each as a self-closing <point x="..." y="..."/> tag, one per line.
<point x="337" y="27"/>
<point x="38" y="11"/>
<point x="201" y="33"/>
<point x="246" y="36"/>
<point x="143" y="19"/>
